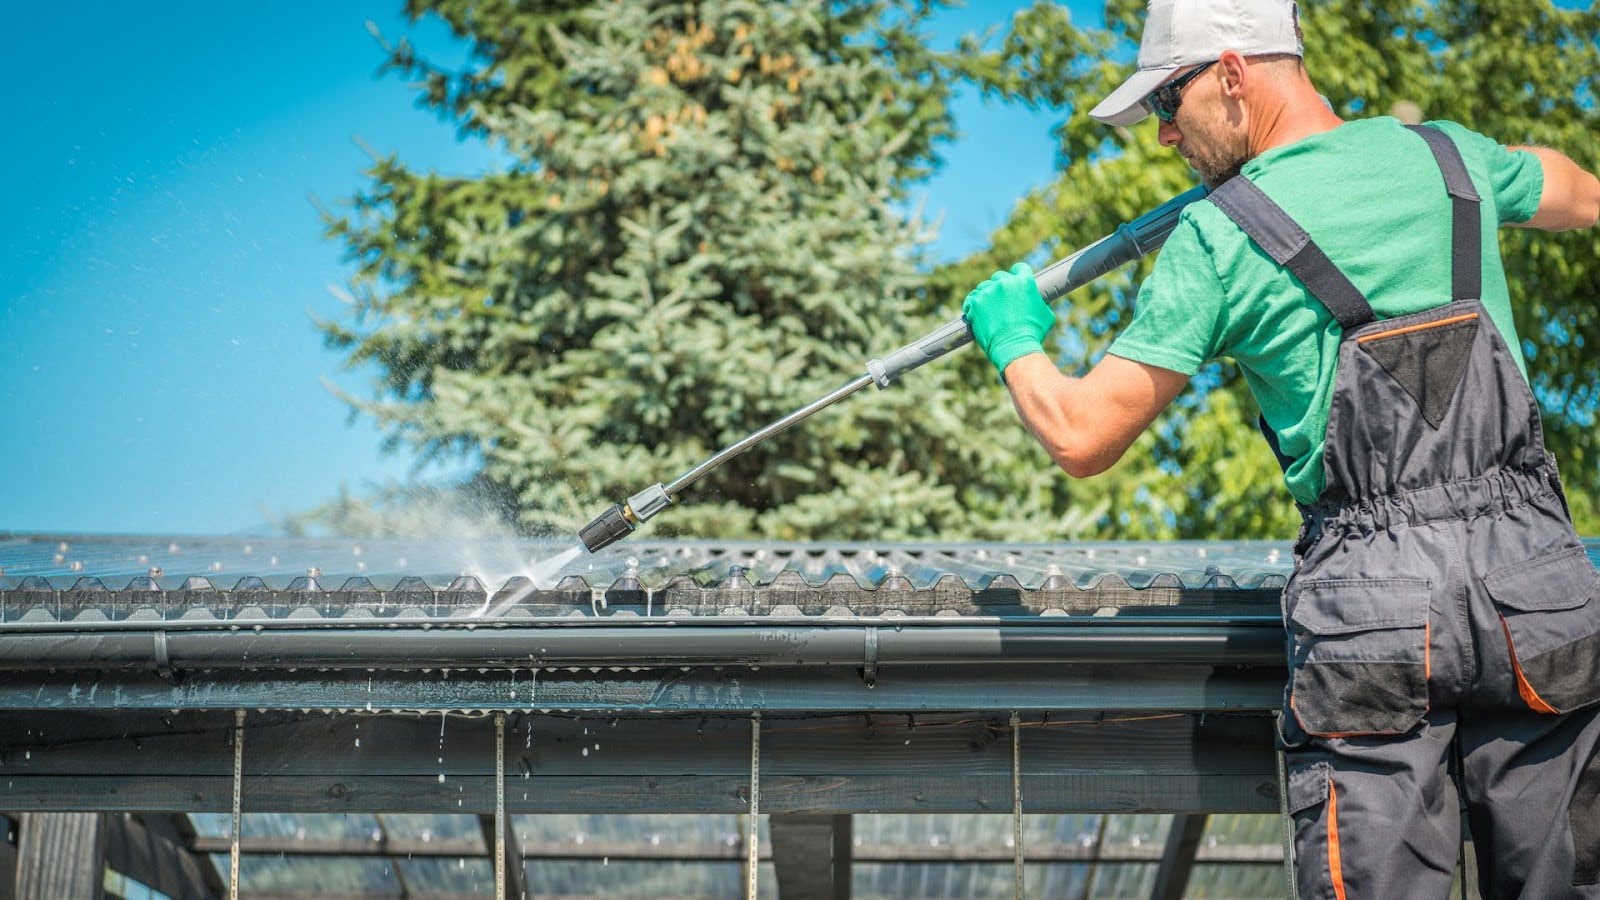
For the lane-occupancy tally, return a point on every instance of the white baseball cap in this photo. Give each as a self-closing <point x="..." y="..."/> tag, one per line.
<point x="1180" y="33"/>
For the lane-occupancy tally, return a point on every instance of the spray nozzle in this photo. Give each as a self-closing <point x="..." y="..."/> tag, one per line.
<point x="621" y="519"/>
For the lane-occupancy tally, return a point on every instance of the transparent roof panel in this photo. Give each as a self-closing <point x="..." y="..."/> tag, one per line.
<point x="652" y="880"/>
<point x="448" y="876"/>
<point x="299" y="826"/>
<point x="298" y="874"/>
<point x="428" y="827"/>
<point x="588" y="842"/>
<point x="223" y="561"/>
<point x="651" y="829"/>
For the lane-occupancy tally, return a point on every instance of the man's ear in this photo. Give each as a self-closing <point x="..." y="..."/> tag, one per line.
<point x="1231" y="73"/>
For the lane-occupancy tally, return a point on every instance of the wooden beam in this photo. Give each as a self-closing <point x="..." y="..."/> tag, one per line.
<point x="1031" y="687"/>
<point x="843" y="854"/>
<point x="8" y="856"/>
<point x="950" y="762"/>
<point x="1178" y="857"/>
<point x="183" y="827"/>
<point x="427" y="895"/>
<point x="516" y="888"/>
<point x="805" y="853"/>
<point x="639" y="851"/>
<point x="61" y="855"/>
<point x="153" y="854"/>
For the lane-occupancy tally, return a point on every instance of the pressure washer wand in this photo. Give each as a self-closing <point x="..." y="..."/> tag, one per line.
<point x="1129" y="242"/>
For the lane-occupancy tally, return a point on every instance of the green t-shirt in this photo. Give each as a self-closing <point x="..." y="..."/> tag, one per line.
<point x="1371" y="196"/>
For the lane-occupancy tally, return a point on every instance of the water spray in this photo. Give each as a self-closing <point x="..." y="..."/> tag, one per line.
<point x="1129" y="242"/>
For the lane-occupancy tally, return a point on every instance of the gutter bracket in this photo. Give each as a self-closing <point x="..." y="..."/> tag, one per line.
<point x="869" y="669"/>
<point x="164" y="659"/>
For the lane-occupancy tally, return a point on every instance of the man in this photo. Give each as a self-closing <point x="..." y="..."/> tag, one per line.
<point x="1443" y="622"/>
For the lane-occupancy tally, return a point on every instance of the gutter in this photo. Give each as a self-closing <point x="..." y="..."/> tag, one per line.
<point x="227" y="646"/>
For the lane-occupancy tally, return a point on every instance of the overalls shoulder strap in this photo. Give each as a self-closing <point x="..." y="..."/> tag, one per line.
<point x="1466" y="239"/>
<point x="1291" y="247"/>
<point x="1287" y="243"/>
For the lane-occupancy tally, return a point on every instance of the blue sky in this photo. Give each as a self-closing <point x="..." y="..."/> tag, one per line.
<point x="160" y="262"/>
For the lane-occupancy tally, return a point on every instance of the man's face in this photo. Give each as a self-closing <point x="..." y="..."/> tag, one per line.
<point x="1208" y="130"/>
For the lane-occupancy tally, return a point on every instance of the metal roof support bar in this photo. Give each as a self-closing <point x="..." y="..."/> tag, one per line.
<point x="500" y="807"/>
<point x="753" y="841"/>
<point x="1016" y="802"/>
<point x="238" y="783"/>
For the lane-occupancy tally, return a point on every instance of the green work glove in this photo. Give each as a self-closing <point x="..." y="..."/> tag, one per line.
<point x="1008" y="317"/>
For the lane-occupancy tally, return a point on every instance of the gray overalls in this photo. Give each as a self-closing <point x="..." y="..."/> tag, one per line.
<point x="1443" y="622"/>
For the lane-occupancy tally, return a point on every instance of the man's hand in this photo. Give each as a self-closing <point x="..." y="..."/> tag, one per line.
<point x="1008" y="317"/>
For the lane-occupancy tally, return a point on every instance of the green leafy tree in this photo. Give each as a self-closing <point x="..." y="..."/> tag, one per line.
<point x="1518" y="70"/>
<point x="701" y="228"/>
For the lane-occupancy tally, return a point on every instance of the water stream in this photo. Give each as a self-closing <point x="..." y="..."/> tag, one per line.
<point x="541" y="573"/>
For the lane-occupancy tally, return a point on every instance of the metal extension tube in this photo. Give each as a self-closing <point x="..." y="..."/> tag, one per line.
<point x="1129" y="242"/>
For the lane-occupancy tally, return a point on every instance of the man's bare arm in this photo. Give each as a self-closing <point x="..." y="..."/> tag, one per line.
<point x="1087" y="423"/>
<point x="1571" y="197"/>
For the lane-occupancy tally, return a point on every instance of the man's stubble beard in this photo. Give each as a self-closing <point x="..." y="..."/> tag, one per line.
<point x="1217" y="165"/>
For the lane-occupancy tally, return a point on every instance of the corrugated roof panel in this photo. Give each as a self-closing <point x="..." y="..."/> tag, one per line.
<point x="86" y="579"/>
<point x="223" y="561"/>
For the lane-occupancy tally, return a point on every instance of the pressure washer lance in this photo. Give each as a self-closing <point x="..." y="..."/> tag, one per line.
<point x="1127" y="243"/>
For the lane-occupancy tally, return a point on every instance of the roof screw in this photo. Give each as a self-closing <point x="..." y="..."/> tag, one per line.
<point x="314" y="572"/>
<point x="155" y="572"/>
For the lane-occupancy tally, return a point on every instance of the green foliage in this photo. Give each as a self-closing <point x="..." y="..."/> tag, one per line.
<point x="701" y="227"/>
<point x="1522" y="72"/>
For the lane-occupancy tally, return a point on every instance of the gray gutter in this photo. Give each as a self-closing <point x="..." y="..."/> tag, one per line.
<point x="868" y="645"/>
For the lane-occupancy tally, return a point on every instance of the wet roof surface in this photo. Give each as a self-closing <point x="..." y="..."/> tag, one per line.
<point x="63" y="578"/>
<point x="278" y="562"/>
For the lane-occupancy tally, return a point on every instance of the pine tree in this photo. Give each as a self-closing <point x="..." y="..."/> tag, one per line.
<point x="702" y="227"/>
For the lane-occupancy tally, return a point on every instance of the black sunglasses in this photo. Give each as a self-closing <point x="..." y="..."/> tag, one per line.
<point x="1163" y="102"/>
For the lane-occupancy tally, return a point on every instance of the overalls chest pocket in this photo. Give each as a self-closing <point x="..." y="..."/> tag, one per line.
<point x="1359" y="655"/>
<point x="1550" y="610"/>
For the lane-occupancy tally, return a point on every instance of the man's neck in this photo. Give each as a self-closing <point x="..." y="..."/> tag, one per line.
<point x="1289" y="116"/>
